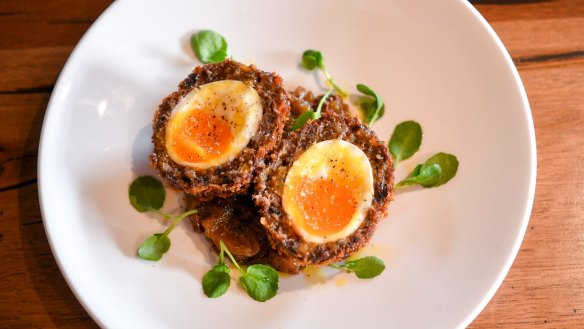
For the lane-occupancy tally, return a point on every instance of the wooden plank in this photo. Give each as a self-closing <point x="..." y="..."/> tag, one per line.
<point x="34" y="293"/>
<point x="32" y="24"/>
<point x="538" y="33"/>
<point x="22" y="117"/>
<point x="31" y="70"/>
<point x="40" y="34"/>
<point x="521" y="10"/>
<point x="543" y="41"/>
<point x="54" y="10"/>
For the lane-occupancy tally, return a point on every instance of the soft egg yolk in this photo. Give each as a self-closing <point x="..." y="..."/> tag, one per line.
<point x="328" y="191"/>
<point x="201" y="136"/>
<point x="213" y="123"/>
<point x="328" y="205"/>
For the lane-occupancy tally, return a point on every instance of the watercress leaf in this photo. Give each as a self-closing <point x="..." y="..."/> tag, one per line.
<point x="209" y="46"/>
<point x="154" y="247"/>
<point x="437" y="170"/>
<point x="365" y="90"/>
<point x="216" y="281"/>
<point x="425" y="176"/>
<point x="260" y="282"/>
<point x="370" y="111"/>
<point x="146" y="193"/>
<point x="366" y="105"/>
<point x="312" y="59"/>
<point x="416" y="171"/>
<point x="218" y="57"/>
<point x="377" y="114"/>
<point x="405" y="182"/>
<point x="410" y="179"/>
<point x="428" y="175"/>
<point x="374" y="109"/>
<point x="448" y="164"/>
<point x="303" y="118"/>
<point x="366" y="267"/>
<point x="405" y="140"/>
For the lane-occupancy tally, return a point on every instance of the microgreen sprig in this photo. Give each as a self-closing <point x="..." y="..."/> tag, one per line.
<point x="217" y="280"/>
<point x="372" y="107"/>
<point x="364" y="268"/>
<point x="405" y="140"/>
<point x="312" y="59"/>
<point x="158" y="244"/>
<point x="259" y="281"/>
<point x="209" y="46"/>
<point x="146" y="193"/>
<point x="310" y="115"/>
<point x="436" y="171"/>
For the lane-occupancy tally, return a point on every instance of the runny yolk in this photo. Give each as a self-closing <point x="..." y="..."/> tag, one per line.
<point x="327" y="205"/>
<point x="201" y="136"/>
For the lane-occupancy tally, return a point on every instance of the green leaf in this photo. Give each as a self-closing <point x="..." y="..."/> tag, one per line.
<point x="154" y="247"/>
<point x="216" y="281"/>
<point x="436" y="171"/>
<point x="426" y="177"/>
<point x="312" y="59"/>
<point x="209" y="46"/>
<point x="405" y="140"/>
<point x="366" y="90"/>
<point x="364" y="268"/>
<point x="218" y="57"/>
<point x="367" y="108"/>
<point x="146" y="193"/>
<point x="303" y="118"/>
<point x="448" y="164"/>
<point x="429" y="175"/>
<point x="416" y="171"/>
<point x="373" y="109"/>
<point x="260" y="282"/>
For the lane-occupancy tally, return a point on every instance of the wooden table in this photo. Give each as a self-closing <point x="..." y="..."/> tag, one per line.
<point x="545" y="287"/>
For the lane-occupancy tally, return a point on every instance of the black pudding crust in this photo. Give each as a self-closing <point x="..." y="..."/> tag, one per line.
<point x="270" y="184"/>
<point x="236" y="175"/>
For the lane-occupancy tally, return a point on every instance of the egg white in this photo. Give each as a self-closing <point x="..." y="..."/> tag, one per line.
<point x="316" y="163"/>
<point x="233" y="100"/>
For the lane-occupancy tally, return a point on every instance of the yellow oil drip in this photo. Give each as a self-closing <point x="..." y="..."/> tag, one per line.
<point x="341" y="281"/>
<point x="314" y="275"/>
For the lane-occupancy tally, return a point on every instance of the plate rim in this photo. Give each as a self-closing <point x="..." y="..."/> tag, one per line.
<point x="41" y="155"/>
<point x="533" y="165"/>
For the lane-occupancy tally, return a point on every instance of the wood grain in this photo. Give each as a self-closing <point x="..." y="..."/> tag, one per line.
<point x="545" y="287"/>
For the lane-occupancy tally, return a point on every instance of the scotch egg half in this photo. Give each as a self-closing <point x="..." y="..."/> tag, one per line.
<point x="213" y="123"/>
<point x="328" y="191"/>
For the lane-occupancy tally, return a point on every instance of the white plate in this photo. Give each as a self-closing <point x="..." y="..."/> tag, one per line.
<point x="437" y="62"/>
